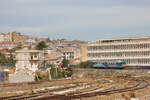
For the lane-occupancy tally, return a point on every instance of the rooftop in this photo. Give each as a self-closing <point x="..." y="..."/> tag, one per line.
<point x="121" y="39"/>
<point x="129" y="38"/>
<point x="19" y="51"/>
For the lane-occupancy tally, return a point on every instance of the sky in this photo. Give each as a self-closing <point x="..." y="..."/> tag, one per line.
<point x="76" y="19"/>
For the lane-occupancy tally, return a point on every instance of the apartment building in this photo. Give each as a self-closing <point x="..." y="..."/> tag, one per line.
<point x="134" y="51"/>
<point x="53" y="57"/>
<point x="73" y="54"/>
<point x="29" y="59"/>
<point x="83" y="52"/>
<point x="5" y="37"/>
<point x="13" y="37"/>
<point x="17" y="37"/>
<point x="7" y="45"/>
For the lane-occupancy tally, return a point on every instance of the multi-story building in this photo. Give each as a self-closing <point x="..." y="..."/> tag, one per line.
<point x="13" y="37"/>
<point x="134" y="51"/>
<point x="7" y="45"/>
<point x="17" y="37"/>
<point x="5" y="37"/>
<point x="73" y="54"/>
<point x="53" y="57"/>
<point x="29" y="59"/>
<point x="83" y="52"/>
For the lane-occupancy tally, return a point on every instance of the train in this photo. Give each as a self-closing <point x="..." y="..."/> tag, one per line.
<point x="110" y="64"/>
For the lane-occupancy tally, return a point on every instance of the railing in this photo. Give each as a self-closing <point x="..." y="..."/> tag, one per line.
<point x="114" y="58"/>
<point x="118" y="43"/>
<point x="120" y="50"/>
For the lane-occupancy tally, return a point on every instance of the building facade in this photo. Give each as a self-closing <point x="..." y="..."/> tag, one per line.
<point x="53" y="57"/>
<point x="29" y="59"/>
<point x="5" y="37"/>
<point x="17" y="37"/>
<point x="72" y="54"/>
<point x="134" y="51"/>
<point x="7" y="45"/>
<point x="83" y="52"/>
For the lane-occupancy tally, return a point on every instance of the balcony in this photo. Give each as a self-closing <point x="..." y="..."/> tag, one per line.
<point x="118" y="43"/>
<point x="33" y="58"/>
<point x="120" y="50"/>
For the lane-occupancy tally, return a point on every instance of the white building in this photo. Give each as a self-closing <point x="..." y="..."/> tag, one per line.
<point x="5" y="37"/>
<point x="134" y="51"/>
<point x="72" y="54"/>
<point x="7" y="45"/>
<point x="29" y="59"/>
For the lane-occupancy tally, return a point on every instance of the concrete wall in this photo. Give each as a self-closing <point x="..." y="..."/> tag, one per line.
<point x="20" y="78"/>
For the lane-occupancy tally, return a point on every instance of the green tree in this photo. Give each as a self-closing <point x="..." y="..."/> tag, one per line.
<point x="86" y="64"/>
<point x="65" y="62"/>
<point x="11" y="58"/>
<point x="3" y="59"/>
<point x="16" y="48"/>
<point x="41" y="45"/>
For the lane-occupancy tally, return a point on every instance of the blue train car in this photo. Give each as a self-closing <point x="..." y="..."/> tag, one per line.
<point x="112" y="64"/>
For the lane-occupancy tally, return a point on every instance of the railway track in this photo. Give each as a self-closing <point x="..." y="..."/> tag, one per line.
<point x="16" y="84"/>
<point x="41" y="93"/>
<point x="140" y="85"/>
<point x="30" y="83"/>
<point x="48" y="96"/>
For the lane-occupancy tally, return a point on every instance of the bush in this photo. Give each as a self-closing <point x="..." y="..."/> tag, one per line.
<point x="41" y="45"/>
<point x="57" y="73"/>
<point x="65" y="62"/>
<point x="39" y="76"/>
<point x="86" y="64"/>
<point x="132" y="95"/>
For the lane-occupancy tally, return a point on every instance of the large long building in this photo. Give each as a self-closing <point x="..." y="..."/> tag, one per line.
<point x="134" y="51"/>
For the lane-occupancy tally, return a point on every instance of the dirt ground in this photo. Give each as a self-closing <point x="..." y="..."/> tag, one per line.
<point x="86" y="81"/>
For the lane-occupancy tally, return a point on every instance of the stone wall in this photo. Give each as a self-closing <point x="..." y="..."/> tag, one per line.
<point x="13" y="78"/>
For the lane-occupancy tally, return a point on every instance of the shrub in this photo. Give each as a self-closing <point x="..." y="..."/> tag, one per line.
<point x="86" y="64"/>
<point x="132" y="95"/>
<point x="39" y="76"/>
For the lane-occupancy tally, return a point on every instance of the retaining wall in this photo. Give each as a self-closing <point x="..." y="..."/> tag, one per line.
<point x="13" y="78"/>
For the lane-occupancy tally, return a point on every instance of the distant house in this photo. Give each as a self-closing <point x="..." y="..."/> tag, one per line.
<point x="53" y="57"/>
<point x="5" y="37"/>
<point x="30" y="40"/>
<point x="7" y="45"/>
<point x="29" y="59"/>
<point x="72" y="53"/>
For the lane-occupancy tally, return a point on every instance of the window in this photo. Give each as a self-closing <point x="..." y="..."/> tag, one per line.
<point x="31" y="57"/>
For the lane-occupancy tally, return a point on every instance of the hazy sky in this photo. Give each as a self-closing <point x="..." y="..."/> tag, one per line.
<point x="76" y="19"/>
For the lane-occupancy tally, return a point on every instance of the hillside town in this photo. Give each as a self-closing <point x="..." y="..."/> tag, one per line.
<point x="43" y="68"/>
<point x="22" y="53"/>
<point x="22" y="49"/>
<point x="74" y="50"/>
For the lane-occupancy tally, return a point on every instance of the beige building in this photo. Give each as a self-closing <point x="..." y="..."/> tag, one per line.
<point x="29" y="59"/>
<point x="53" y="57"/>
<point x="84" y="52"/>
<point x="5" y="37"/>
<point x="73" y="54"/>
<point x="7" y="45"/>
<point x="134" y="51"/>
<point x="17" y="37"/>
